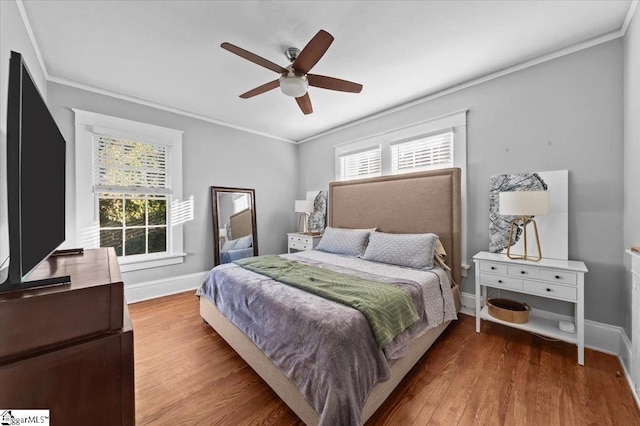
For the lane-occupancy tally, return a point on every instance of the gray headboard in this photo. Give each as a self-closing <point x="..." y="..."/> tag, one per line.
<point x="411" y="203"/>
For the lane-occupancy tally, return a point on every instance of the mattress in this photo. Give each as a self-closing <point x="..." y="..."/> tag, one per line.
<point x="326" y="349"/>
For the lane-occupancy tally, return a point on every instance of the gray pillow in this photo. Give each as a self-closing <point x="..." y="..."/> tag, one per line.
<point x="350" y="242"/>
<point x="412" y="250"/>
<point x="244" y="242"/>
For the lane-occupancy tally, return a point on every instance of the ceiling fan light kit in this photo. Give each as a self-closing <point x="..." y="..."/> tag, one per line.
<point x="295" y="79"/>
<point x="293" y="85"/>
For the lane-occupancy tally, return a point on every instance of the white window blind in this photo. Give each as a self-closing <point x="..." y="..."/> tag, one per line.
<point x="360" y="164"/>
<point x="125" y="166"/>
<point x="430" y="152"/>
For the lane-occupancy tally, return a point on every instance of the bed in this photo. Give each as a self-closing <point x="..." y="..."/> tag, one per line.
<point x="405" y="204"/>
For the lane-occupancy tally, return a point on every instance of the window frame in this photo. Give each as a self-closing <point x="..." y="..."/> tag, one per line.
<point x="456" y="122"/>
<point x="87" y="124"/>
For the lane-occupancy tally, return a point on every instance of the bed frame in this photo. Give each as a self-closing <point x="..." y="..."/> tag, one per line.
<point x="411" y="203"/>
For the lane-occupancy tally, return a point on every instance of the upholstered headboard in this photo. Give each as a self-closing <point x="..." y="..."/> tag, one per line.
<point x="411" y="203"/>
<point x="241" y="224"/>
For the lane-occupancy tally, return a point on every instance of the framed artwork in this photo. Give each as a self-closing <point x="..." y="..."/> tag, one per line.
<point x="553" y="228"/>
<point x="318" y="219"/>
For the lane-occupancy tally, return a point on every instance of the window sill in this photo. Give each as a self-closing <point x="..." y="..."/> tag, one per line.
<point x="149" y="261"/>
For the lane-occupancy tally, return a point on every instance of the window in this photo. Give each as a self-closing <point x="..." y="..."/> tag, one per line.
<point x="431" y="152"/>
<point x="240" y="203"/>
<point x="128" y="190"/>
<point x="360" y="164"/>
<point x="434" y="143"/>
<point x="132" y="182"/>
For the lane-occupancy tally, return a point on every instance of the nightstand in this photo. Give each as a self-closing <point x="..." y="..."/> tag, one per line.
<point x="549" y="278"/>
<point x="296" y="241"/>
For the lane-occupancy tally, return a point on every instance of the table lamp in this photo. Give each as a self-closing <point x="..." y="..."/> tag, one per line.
<point x="524" y="205"/>
<point x="305" y="208"/>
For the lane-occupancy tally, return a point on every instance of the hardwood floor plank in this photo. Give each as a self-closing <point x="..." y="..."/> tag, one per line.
<point x="187" y="374"/>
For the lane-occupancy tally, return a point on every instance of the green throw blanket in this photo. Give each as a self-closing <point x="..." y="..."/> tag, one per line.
<point x="388" y="308"/>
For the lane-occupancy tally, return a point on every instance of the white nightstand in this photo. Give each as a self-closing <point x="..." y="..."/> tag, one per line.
<point x="550" y="278"/>
<point x="296" y="241"/>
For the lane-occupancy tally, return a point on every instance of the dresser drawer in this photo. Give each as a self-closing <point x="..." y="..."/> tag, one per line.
<point x="560" y="277"/>
<point x="550" y="290"/>
<point x="493" y="267"/>
<point x="523" y="271"/>
<point x="500" y="281"/>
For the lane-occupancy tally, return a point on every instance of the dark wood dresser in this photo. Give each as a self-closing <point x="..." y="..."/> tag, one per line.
<point x="69" y="348"/>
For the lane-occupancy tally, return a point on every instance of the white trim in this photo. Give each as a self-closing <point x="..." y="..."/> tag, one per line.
<point x="597" y="336"/>
<point x="128" y="264"/>
<point x="32" y="37"/>
<point x="544" y="58"/>
<point x="178" y="111"/>
<point x="527" y="64"/>
<point x="163" y="287"/>
<point x="86" y="220"/>
<point x="627" y="20"/>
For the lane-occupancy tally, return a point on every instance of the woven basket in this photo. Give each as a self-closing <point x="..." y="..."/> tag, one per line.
<point x="509" y="310"/>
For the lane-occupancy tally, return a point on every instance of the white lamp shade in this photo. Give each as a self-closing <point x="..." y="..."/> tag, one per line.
<point x="524" y="203"/>
<point x="304" y="206"/>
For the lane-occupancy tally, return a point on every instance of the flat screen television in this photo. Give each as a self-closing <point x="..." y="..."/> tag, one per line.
<point x="36" y="155"/>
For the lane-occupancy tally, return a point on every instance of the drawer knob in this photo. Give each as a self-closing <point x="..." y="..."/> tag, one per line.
<point x="548" y="289"/>
<point x="500" y="281"/>
<point x="523" y="272"/>
<point x="557" y="277"/>
<point x="493" y="268"/>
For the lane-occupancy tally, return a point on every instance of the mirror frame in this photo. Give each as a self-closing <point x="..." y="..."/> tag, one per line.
<point x="215" y="190"/>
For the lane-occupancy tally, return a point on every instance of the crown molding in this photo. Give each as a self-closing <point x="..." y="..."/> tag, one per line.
<point x="627" y="20"/>
<point x="32" y="38"/>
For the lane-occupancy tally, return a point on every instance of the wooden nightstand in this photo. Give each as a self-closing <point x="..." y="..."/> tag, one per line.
<point x="550" y="278"/>
<point x="296" y="241"/>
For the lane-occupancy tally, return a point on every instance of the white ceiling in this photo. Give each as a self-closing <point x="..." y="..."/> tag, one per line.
<point x="168" y="52"/>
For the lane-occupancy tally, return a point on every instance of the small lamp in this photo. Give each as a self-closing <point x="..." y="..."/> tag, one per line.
<point x="305" y="207"/>
<point x="524" y="205"/>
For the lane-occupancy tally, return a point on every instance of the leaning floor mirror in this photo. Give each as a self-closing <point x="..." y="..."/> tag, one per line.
<point x="235" y="235"/>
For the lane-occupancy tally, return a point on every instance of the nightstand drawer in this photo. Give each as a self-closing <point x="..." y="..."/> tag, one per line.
<point x="494" y="268"/>
<point x="300" y="246"/>
<point x="551" y="290"/>
<point x="560" y="277"/>
<point x="499" y="281"/>
<point x="300" y="239"/>
<point x="524" y="271"/>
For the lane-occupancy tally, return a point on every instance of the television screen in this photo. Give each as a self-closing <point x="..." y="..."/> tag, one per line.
<point x="42" y="186"/>
<point x="36" y="154"/>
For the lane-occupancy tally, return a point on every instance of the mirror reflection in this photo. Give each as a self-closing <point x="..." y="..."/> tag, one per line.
<point x="234" y="224"/>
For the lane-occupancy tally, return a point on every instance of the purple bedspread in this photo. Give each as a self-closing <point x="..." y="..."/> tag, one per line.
<point x="326" y="349"/>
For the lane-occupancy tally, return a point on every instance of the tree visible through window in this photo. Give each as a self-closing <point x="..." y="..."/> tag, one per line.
<point x="131" y="180"/>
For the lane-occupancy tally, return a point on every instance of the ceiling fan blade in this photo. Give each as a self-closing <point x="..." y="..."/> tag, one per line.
<point x="332" y="83"/>
<point x="313" y="51"/>
<point x="304" y="102"/>
<point x="261" y="89"/>
<point x="253" y="57"/>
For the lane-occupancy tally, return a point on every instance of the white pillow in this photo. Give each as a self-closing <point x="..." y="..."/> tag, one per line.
<point x="411" y="250"/>
<point x="229" y="245"/>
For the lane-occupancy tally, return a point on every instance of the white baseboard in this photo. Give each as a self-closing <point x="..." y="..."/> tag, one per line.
<point x="164" y="287"/>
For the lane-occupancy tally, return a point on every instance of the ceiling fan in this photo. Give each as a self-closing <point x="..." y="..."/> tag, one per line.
<point x="295" y="79"/>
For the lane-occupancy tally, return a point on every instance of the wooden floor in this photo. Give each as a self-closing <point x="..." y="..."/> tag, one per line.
<point x="186" y="374"/>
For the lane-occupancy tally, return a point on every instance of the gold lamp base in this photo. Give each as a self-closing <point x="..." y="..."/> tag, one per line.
<point x="525" y="221"/>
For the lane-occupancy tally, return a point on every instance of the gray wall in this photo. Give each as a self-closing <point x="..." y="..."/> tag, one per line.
<point x="563" y="114"/>
<point x="13" y="36"/>
<point x="213" y="155"/>
<point x="631" y="149"/>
